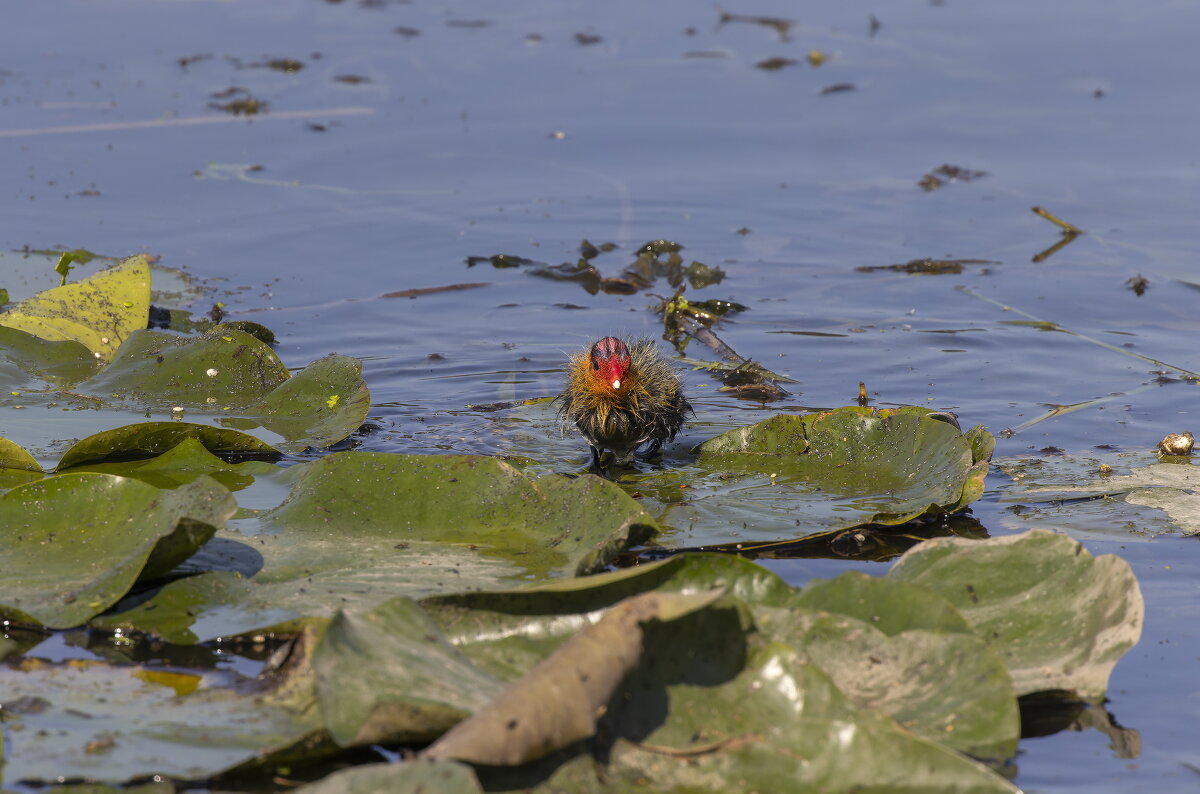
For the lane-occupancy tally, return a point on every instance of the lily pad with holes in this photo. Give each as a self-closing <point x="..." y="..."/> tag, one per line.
<point x="72" y="545"/>
<point x="793" y="476"/>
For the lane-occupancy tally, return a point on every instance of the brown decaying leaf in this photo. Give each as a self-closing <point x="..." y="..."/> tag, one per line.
<point x="558" y="702"/>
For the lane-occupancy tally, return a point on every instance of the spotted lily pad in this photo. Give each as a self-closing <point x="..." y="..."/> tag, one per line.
<point x="791" y="476"/>
<point x="72" y="545"/>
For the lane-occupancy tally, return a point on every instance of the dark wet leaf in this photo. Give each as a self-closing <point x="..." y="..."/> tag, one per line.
<point x="500" y="260"/>
<point x="700" y="275"/>
<point x="65" y="561"/>
<point x="1058" y="617"/>
<point x="99" y="312"/>
<point x="931" y="267"/>
<point x="146" y="439"/>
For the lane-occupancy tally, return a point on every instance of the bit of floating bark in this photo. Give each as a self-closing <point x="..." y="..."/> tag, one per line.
<point x="838" y="88"/>
<point x="1138" y="284"/>
<point x="775" y="64"/>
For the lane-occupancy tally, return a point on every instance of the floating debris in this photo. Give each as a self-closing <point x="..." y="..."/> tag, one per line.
<point x="775" y="64"/>
<point x="932" y="267"/>
<point x="816" y="57"/>
<point x="838" y="88"/>
<point x="1138" y="284"/>
<point x="1176" y="444"/>
<point x="1067" y="228"/>
<point x="587" y="39"/>
<point x="415" y="293"/>
<point x="948" y="173"/>
<point x="778" y="24"/>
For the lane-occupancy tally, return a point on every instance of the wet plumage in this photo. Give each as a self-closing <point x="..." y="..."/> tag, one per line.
<point x="623" y="396"/>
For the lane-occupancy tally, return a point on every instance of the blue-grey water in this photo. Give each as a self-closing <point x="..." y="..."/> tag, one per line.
<point x="417" y="134"/>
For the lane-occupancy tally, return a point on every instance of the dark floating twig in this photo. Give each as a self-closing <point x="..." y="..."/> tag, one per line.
<point x="414" y="293"/>
<point x="932" y="267"/>
<point x="779" y="25"/>
<point x="838" y="88"/>
<point x="1067" y="228"/>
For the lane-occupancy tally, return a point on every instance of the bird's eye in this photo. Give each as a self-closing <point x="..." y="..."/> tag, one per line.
<point x="595" y="364"/>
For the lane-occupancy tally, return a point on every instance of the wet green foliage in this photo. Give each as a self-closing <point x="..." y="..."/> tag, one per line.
<point x="453" y="603"/>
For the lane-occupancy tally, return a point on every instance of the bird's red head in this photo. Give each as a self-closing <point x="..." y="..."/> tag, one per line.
<point x="610" y="362"/>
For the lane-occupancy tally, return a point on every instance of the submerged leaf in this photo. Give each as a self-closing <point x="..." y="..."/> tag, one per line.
<point x="65" y="560"/>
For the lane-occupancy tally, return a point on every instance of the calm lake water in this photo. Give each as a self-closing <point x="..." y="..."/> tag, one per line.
<point x="400" y="138"/>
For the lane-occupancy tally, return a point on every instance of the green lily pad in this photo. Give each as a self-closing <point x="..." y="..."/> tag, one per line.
<point x="323" y="404"/>
<point x="100" y="312"/>
<point x="410" y="777"/>
<point x="552" y="524"/>
<point x="14" y="456"/>
<point x="117" y="723"/>
<point x="29" y="362"/>
<point x="224" y="368"/>
<point x="387" y="675"/>
<point x="362" y="527"/>
<point x="1058" y="617"/>
<point x="947" y="686"/>
<point x="791" y="476"/>
<point x="64" y="560"/>
<point x="144" y="439"/>
<point x="185" y="462"/>
<point x="890" y="605"/>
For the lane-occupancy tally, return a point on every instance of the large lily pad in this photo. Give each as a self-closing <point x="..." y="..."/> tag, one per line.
<point x="360" y="528"/>
<point x="792" y="476"/>
<point x="100" y="312"/>
<point x="1058" y="617"/>
<point x="72" y="545"/>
